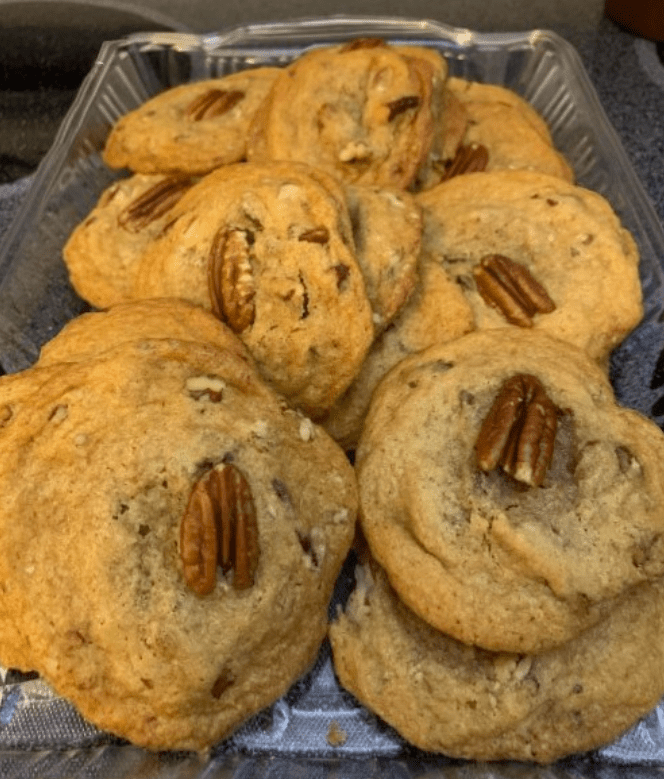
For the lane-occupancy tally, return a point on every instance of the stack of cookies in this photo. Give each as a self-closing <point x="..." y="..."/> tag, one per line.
<point x="509" y="598"/>
<point x="356" y="252"/>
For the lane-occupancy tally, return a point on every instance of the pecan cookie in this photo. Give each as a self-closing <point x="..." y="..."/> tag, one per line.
<point x="191" y="128"/>
<point x="445" y="696"/>
<point x="510" y="132"/>
<point x="103" y="251"/>
<point x="269" y="249"/>
<point x="171" y="534"/>
<point x="508" y="497"/>
<point x="363" y="110"/>
<point x="533" y="251"/>
<point x="436" y="312"/>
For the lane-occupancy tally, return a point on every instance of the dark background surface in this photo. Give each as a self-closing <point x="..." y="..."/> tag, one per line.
<point x="46" y="49"/>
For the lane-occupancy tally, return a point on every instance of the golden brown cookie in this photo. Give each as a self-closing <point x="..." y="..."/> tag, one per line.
<point x="511" y="131"/>
<point x="190" y="128"/>
<point x="103" y="251"/>
<point x="269" y="249"/>
<point x="508" y="497"/>
<point x="446" y="157"/>
<point x="533" y="251"/>
<point x="363" y="110"/>
<point x="120" y="473"/>
<point x="445" y="696"/>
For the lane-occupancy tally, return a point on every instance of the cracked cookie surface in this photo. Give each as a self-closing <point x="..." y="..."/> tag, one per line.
<point x="387" y="232"/>
<point x="364" y="110"/>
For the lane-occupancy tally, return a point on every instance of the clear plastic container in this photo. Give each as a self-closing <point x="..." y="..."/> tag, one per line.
<point x="40" y="734"/>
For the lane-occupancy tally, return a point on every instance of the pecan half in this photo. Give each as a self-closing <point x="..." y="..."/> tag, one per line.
<point x="510" y="287"/>
<point x="213" y="103"/>
<point x="154" y="203"/>
<point x="519" y="432"/>
<point x="470" y="158"/>
<point x="219" y="527"/>
<point x="230" y="278"/>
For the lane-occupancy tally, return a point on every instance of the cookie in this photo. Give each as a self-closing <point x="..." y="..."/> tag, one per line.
<point x="103" y="251"/>
<point x="447" y="697"/>
<point x="269" y="248"/>
<point x="472" y="93"/>
<point x="190" y="128"/>
<point x="510" y="500"/>
<point x="118" y="473"/>
<point x="436" y="312"/>
<point x="511" y="131"/>
<point x="362" y="110"/>
<point x="387" y="233"/>
<point x="532" y="251"/>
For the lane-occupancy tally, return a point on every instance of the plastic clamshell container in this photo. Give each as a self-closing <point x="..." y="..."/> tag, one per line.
<point x="40" y="734"/>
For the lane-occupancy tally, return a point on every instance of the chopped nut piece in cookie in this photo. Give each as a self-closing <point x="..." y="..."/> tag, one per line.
<point x="205" y="387"/>
<point x="470" y="158"/>
<point x="306" y="430"/>
<point x="401" y="105"/>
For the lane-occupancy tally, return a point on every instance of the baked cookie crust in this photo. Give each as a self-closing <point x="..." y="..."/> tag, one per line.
<point x="559" y="241"/>
<point x="103" y="252"/>
<point x="269" y="248"/>
<point x="364" y="111"/>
